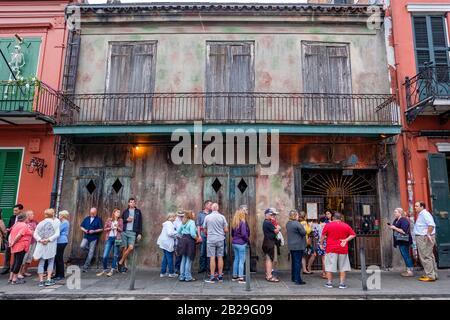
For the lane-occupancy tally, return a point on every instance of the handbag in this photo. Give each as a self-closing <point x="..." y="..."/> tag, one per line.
<point x="401" y="237"/>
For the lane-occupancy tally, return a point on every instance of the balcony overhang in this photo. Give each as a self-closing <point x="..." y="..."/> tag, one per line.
<point x="430" y="106"/>
<point x="291" y="129"/>
<point x="24" y="118"/>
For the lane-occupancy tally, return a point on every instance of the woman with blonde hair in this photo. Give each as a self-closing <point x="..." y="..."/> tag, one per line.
<point x="113" y="240"/>
<point x="186" y="245"/>
<point x="240" y="232"/>
<point x="62" y="241"/>
<point x="46" y="234"/>
<point x="402" y="239"/>
<point x="166" y="241"/>
<point x="308" y="250"/>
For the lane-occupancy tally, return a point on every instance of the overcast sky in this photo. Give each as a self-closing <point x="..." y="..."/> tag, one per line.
<point x="236" y="1"/>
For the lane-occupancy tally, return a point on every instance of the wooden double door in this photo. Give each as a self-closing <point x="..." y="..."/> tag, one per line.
<point x="231" y="187"/>
<point x="104" y="188"/>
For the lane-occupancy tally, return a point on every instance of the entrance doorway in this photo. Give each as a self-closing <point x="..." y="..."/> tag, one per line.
<point x="231" y="187"/>
<point x="350" y="192"/>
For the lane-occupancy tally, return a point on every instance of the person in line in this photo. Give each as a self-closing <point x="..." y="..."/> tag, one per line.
<point x="318" y="235"/>
<point x="328" y="215"/>
<point x="402" y="239"/>
<point x="337" y="234"/>
<point x="46" y="234"/>
<point x="308" y="250"/>
<point x="132" y="232"/>
<point x="61" y="243"/>
<point x="203" y="263"/>
<point x="240" y="232"/>
<point x="19" y="242"/>
<point x="18" y="208"/>
<point x="268" y="247"/>
<point x="425" y="231"/>
<point x="3" y="232"/>
<point x="166" y="241"/>
<point x="32" y="224"/>
<point x="92" y="227"/>
<point x="216" y="227"/>
<point x="113" y="240"/>
<point x="177" y="225"/>
<point x="186" y="246"/>
<point x="296" y="244"/>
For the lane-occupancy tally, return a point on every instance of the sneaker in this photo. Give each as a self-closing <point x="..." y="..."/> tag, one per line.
<point x="241" y="280"/>
<point x="212" y="280"/>
<point x="18" y="281"/>
<point x="84" y="270"/>
<point x="172" y="275"/>
<point x="234" y="278"/>
<point x="220" y="278"/>
<point x="101" y="273"/>
<point x="407" y="274"/>
<point x="342" y="286"/>
<point x="301" y="283"/>
<point x="110" y="273"/>
<point x="328" y="285"/>
<point x="41" y="283"/>
<point x="49" y="283"/>
<point x="426" y="279"/>
<point x="163" y="275"/>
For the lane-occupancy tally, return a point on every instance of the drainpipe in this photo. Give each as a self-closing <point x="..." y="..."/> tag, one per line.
<point x="62" y="162"/>
<point x="408" y="173"/>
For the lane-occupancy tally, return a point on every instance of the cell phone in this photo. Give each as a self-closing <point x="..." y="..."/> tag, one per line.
<point x="388" y="223"/>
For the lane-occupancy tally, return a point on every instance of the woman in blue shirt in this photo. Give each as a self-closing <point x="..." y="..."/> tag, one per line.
<point x="62" y="241"/>
<point x="186" y="245"/>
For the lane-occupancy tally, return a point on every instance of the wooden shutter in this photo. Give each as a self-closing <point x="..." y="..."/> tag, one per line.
<point x="440" y="201"/>
<point x="326" y="70"/>
<point x="9" y="180"/>
<point x="430" y="40"/>
<point x="132" y="73"/>
<point x="229" y="68"/>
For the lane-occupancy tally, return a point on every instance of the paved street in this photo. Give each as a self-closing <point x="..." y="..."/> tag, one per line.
<point x="150" y="286"/>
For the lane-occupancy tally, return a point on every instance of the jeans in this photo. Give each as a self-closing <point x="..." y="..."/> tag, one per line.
<point x="86" y="245"/>
<point x="167" y="262"/>
<point x="178" y="263"/>
<point x="110" y="244"/>
<point x="49" y="267"/>
<point x="404" y="250"/>
<point x="239" y="259"/>
<point x="203" y="263"/>
<point x="59" y="260"/>
<point x="296" y="265"/>
<point x="185" y="269"/>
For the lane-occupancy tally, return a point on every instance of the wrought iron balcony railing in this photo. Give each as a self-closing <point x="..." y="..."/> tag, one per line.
<point x="306" y="108"/>
<point x="425" y="89"/>
<point x="29" y="97"/>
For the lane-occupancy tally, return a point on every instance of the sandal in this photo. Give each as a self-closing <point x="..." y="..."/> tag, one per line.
<point x="272" y="279"/>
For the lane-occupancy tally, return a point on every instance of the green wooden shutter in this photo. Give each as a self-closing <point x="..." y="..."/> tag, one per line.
<point x="440" y="201"/>
<point x="9" y="179"/>
<point x="430" y="40"/>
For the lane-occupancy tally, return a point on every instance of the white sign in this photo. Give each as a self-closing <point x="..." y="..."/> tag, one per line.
<point x="311" y="210"/>
<point x="366" y="210"/>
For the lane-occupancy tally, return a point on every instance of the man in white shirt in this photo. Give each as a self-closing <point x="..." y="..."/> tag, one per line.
<point x="425" y="230"/>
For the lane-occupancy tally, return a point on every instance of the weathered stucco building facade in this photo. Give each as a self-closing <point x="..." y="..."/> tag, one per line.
<point x="316" y="73"/>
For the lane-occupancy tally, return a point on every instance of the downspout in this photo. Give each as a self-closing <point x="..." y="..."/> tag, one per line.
<point x="62" y="163"/>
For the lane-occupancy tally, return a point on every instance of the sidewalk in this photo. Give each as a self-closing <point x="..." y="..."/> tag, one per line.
<point x="150" y="286"/>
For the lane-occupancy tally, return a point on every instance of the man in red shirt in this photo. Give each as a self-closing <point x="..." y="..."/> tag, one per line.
<point x="338" y="234"/>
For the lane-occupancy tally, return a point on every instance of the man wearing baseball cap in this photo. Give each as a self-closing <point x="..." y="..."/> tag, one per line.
<point x="268" y="247"/>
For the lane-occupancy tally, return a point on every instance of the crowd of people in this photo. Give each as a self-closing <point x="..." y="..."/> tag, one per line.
<point x="327" y="237"/>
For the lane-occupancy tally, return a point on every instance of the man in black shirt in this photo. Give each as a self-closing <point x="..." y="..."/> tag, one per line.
<point x="268" y="247"/>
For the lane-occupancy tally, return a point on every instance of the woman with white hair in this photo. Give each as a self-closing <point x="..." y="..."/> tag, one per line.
<point x="402" y="239"/>
<point x="63" y="239"/>
<point x="166" y="241"/>
<point x="46" y="234"/>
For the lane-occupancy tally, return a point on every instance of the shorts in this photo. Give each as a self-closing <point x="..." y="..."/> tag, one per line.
<point x="336" y="261"/>
<point x="29" y="255"/>
<point x="215" y="249"/>
<point x="128" y="239"/>
<point x="269" y="250"/>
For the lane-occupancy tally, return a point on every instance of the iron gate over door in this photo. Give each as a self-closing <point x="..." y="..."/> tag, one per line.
<point x="105" y="189"/>
<point x="351" y="192"/>
<point x="230" y="187"/>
